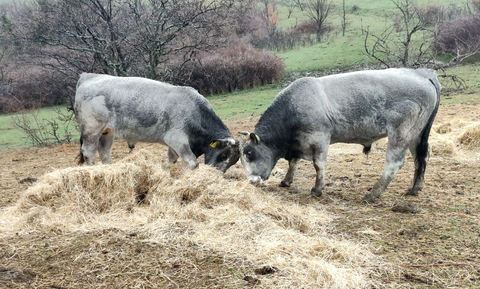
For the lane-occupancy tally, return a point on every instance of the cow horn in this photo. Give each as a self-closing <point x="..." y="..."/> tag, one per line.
<point x="232" y="142"/>
<point x="246" y="134"/>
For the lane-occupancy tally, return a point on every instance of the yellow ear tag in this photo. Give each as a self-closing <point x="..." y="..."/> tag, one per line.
<point x="213" y="144"/>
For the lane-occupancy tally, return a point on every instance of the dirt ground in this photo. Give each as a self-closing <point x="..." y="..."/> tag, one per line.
<point x="432" y="240"/>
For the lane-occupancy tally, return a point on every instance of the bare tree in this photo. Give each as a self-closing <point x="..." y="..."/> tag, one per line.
<point x="318" y="11"/>
<point x="344" y="19"/>
<point x="290" y="5"/>
<point x="167" y="28"/>
<point x="410" y="22"/>
<point x="395" y="42"/>
<point x="300" y="4"/>
<point x="122" y="37"/>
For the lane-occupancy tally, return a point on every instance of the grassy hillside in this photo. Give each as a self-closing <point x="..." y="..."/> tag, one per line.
<point x="334" y="51"/>
<point x="337" y="50"/>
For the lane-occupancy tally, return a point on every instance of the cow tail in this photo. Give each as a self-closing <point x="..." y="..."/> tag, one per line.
<point x="80" y="157"/>
<point x="422" y="147"/>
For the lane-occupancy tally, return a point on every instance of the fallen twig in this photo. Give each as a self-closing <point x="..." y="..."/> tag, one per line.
<point x="436" y="265"/>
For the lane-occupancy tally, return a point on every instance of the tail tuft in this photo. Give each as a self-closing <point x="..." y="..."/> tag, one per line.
<point x="366" y="149"/>
<point x="422" y="147"/>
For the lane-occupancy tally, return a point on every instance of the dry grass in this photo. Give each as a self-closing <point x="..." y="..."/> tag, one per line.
<point x="470" y="137"/>
<point x="440" y="144"/>
<point x="201" y="207"/>
<point x="449" y="126"/>
<point x="142" y="223"/>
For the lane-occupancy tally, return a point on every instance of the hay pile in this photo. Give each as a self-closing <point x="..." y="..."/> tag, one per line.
<point x="470" y="137"/>
<point x="440" y="144"/>
<point x="201" y="207"/>
<point x="448" y="137"/>
<point x="455" y="134"/>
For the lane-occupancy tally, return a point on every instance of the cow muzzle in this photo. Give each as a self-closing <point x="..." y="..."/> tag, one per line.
<point x="255" y="179"/>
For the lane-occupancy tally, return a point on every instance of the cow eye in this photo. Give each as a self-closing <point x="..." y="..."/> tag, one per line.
<point x="224" y="156"/>
<point x="248" y="154"/>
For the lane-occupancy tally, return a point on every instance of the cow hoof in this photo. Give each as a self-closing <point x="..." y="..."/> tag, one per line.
<point x="369" y="198"/>
<point x="412" y="192"/>
<point x="316" y="192"/>
<point x="284" y="184"/>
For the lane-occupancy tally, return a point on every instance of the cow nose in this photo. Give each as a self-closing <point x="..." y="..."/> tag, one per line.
<point x="255" y="179"/>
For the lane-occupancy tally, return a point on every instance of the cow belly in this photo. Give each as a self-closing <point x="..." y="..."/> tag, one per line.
<point x="358" y="137"/>
<point x="136" y="134"/>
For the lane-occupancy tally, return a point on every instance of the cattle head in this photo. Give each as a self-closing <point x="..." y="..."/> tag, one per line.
<point x="222" y="153"/>
<point x="257" y="158"/>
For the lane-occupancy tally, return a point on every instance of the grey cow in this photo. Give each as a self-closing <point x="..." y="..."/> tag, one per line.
<point x="144" y="110"/>
<point x="357" y="107"/>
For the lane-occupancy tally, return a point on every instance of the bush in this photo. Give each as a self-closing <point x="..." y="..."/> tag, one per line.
<point x="233" y="68"/>
<point x="432" y="13"/>
<point x="33" y="87"/>
<point x="459" y="38"/>
<point x="306" y="27"/>
<point x="280" y="40"/>
<point x="310" y="27"/>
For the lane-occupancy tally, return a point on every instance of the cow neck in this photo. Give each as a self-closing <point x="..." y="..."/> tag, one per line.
<point x="204" y="129"/>
<point x="276" y="127"/>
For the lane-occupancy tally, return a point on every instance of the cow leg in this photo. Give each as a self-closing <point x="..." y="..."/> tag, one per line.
<point x="394" y="162"/>
<point x="131" y="145"/>
<point x="418" y="178"/>
<point x="177" y="140"/>
<point x="292" y="166"/>
<point x="105" y="147"/>
<point x="319" y="161"/>
<point x="172" y="156"/>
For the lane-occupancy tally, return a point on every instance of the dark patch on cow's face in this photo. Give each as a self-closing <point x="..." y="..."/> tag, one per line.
<point x="258" y="160"/>
<point x="222" y="155"/>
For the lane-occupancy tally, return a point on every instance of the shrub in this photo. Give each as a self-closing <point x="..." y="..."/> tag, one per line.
<point x="431" y="13"/>
<point x="459" y="38"/>
<point x="310" y="27"/>
<point x="31" y="87"/>
<point x="233" y="68"/>
<point x="281" y="40"/>
<point x="476" y="6"/>
<point x="306" y="27"/>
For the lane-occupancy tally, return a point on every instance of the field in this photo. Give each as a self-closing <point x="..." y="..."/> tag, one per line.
<point x="85" y="227"/>
<point x="143" y="223"/>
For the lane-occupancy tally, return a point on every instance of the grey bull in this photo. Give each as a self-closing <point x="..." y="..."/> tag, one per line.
<point x="144" y="110"/>
<point x="357" y="107"/>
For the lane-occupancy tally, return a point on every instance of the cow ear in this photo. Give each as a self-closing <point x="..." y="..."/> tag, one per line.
<point x="254" y="138"/>
<point x="221" y="143"/>
<point x="214" y="143"/>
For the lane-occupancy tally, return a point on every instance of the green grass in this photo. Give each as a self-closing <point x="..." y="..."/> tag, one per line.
<point x="12" y="137"/>
<point x="243" y="104"/>
<point x="337" y="50"/>
<point x="334" y="51"/>
<point x="9" y="135"/>
<point x="467" y="75"/>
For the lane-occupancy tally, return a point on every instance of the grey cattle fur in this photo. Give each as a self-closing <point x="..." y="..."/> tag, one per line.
<point x="357" y="107"/>
<point x="144" y="110"/>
